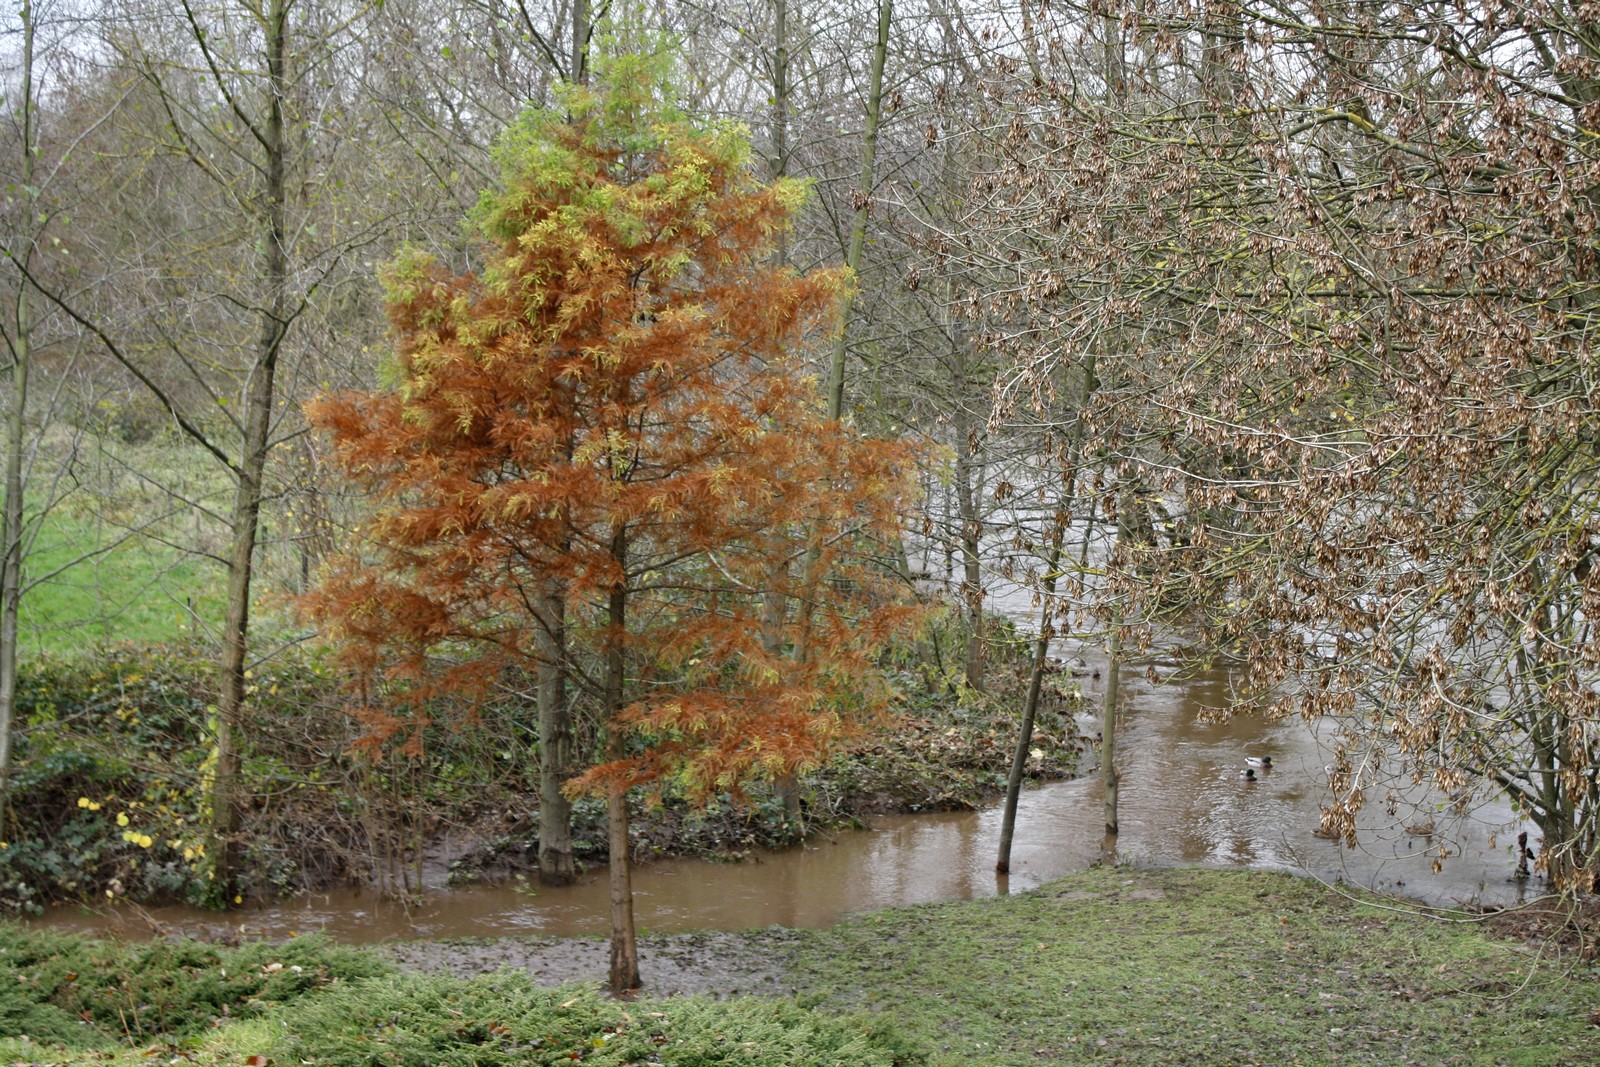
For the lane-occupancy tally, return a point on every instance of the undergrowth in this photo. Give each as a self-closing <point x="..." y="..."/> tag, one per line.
<point x="88" y="994"/>
<point x="113" y="747"/>
<point x="67" y="1000"/>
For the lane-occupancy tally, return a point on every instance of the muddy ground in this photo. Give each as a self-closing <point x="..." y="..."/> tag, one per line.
<point x="712" y="963"/>
<point x="725" y="964"/>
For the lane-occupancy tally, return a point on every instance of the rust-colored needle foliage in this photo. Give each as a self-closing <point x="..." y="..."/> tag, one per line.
<point x="610" y="410"/>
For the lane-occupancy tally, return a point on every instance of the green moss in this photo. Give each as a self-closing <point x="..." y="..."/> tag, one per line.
<point x="1199" y="966"/>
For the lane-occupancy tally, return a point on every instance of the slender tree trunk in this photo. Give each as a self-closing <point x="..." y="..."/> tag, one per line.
<point x="1042" y="645"/>
<point x="225" y="791"/>
<point x="1030" y="707"/>
<point x="967" y="460"/>
<point x="775" y="607"/>
<point x="581" y="28"/>
<point x="556" y="865"/>
<point x="780" y="98"/>
<point x="858" y="231"/>
<point x="11" y="522"/>
<point x="1108" y="728"/>
<point x="624" y="944"/>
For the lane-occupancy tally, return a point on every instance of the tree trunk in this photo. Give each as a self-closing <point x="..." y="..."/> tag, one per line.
<point x="780" y="100"/>
<point x="11" y="532"/>
<point x="581" y="27"/>
<point x="225" y="787"/>
<point x="624" y="971"/>
<point x="863" y="205"/>
<point x="968" y="459"/>
<point x="1030" y="707"/>
<point x="775" y="607"/>
<point x="1108" y="728"/>
<point x="556" y="865"/>
<point x="624" y="946"/>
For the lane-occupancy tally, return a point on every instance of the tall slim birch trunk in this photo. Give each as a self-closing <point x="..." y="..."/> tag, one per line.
<point x="1030" y="707"/>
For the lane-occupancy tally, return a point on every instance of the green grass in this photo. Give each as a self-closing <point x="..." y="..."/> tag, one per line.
<point x="1153" y="967"/>
<point x="138" y="542"/>
<point x="1112" y="966"/>
<point x="141" y="590"/>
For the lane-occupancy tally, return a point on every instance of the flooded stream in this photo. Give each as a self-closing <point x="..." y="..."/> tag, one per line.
<point x="1182" y="802"/>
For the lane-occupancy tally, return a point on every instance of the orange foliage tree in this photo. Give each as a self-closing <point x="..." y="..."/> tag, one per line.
<point x="600" y="461"/>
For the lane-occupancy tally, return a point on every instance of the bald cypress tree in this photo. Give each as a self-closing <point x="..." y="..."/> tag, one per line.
<point x="611" y="416"/>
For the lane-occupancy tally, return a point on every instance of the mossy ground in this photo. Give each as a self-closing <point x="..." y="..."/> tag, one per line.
<point x="1113" y="965"/>
<point x="1141" y="966"/>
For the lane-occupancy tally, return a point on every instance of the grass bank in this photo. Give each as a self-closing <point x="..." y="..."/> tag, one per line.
<point x="1115" y="965"/>
<point x="1186" y="966"/>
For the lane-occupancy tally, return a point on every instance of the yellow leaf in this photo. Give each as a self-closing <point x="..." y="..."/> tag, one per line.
<point x="122" y="818"/>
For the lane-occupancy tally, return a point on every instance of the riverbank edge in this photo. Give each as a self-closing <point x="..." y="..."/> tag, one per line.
<point x="92" y="819"/>
<point x="1110" y="965"/>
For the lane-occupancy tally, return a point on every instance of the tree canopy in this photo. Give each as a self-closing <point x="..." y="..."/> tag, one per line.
<point x="612" y="409"/>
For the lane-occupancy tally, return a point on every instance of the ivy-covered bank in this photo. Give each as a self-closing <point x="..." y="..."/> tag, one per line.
<point x="1109" y="966"/>
<point x="112" y="755"/>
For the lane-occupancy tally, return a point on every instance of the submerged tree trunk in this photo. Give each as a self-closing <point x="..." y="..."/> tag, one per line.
<point x="1030" y="708"/>
<point x="1108" y="729"/>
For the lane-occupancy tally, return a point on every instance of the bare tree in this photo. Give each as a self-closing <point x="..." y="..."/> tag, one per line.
<point x="1340" y="263"/>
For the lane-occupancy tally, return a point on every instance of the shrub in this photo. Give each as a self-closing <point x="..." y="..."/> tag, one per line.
<point x="410" y="1020"/>
<point x="85" y="993"/>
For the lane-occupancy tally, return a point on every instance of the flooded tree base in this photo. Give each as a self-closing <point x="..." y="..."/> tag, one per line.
<point x="709" y="963"/>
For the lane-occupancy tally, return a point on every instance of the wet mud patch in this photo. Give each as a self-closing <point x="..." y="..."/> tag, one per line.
<point x="707" y="963"/>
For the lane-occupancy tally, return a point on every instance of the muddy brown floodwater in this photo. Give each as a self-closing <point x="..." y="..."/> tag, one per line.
<point x="1182" y="802"/>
